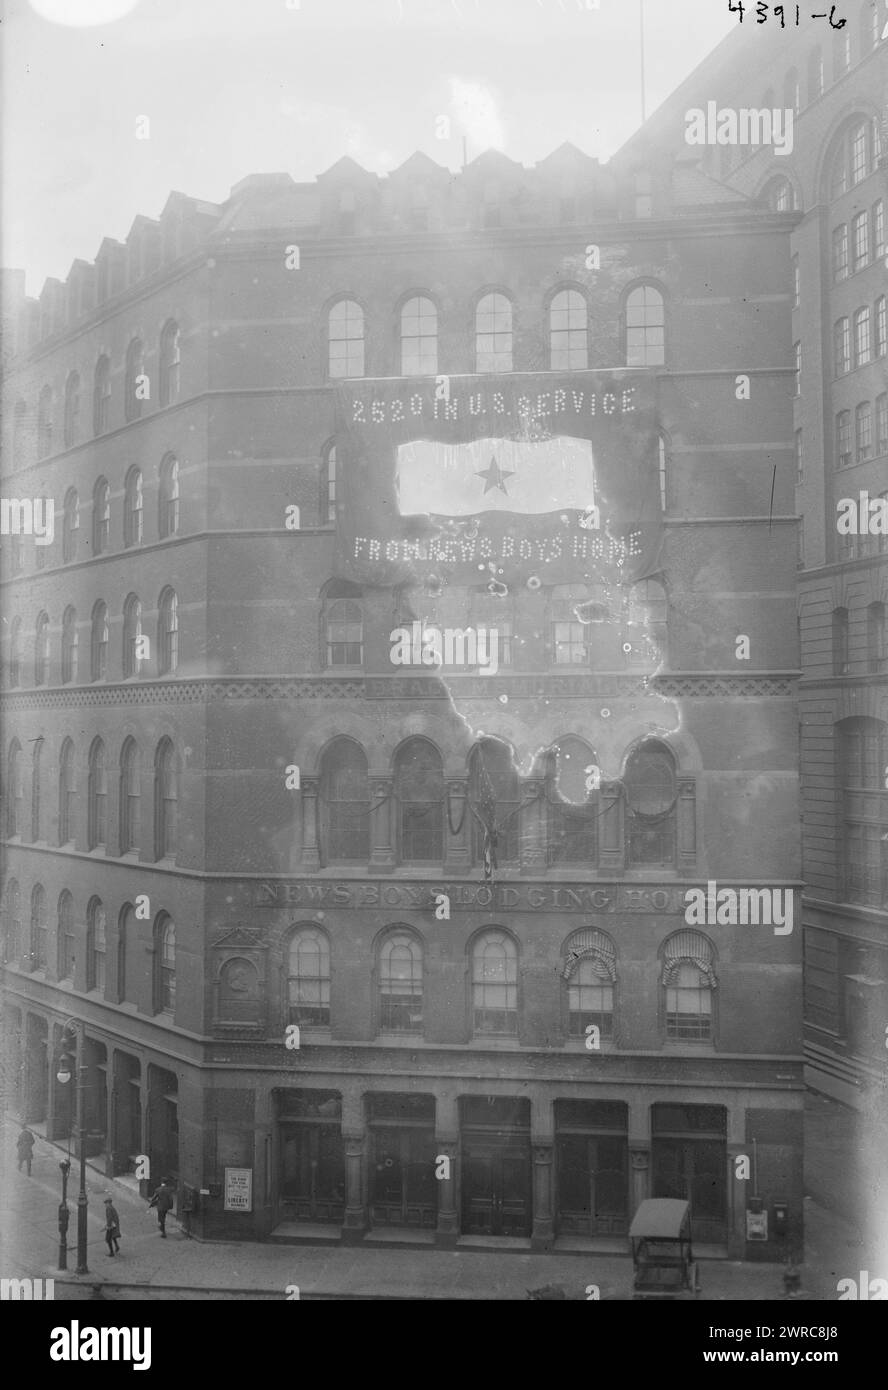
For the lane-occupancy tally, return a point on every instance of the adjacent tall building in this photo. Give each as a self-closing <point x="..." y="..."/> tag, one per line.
<point x="364" y="952"/>
<point x="833" y="184"/>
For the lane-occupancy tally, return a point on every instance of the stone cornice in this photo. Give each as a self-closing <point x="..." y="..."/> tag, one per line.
<point x="697" y="685"/>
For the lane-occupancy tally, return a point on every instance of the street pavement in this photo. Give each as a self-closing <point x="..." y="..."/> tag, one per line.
<point x="840" y="1242"/>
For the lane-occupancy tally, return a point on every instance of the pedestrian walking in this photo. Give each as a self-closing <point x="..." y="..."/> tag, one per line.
<point x="25" y="1147"/>
<point x="112" y="1227"/>
<point x="163" y="1199"/>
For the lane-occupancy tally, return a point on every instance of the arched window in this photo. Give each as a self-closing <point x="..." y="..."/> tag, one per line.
<point x="168" y="633"/>
<point x="72" y="409"/>
<point x="840" y="651"/>
<point x="132" y="508"/>
<point x="165" y="801"/>
<point x="102" y="396"/>
<point x="688" y="984"/>
<point x="14" y="790"/>
<point x="881" y="322"/>
<point x="573" y="781"/>
<point x="876" y="640"/>
<point x="134" y="382"/>
<point x="854" y="157"/>
<point x="345" y="339"/>
<point x="67" y="793"/>
<point x="99" y="639"/>
<point x="344" y="631"/>
<point x="779" y="194"/>
<point x="130" y="797"/>
<point x="568" y="332"/>
<point x="67" y="940"/>
<point x="493" y="334"/>
<point x="863" y="341"/>
<point x="494" y="801"/>
<point x="168" y="498"/>
<point x="44" y="423"/>
<point x="345" y="801"/>
<point x="132" y="637"/>
<point x="328" y="487"/>
<point x="419" y="791"/>
<point x="38" y="928"/>
<point x="590" y="971"/>
<point x="862" y="756"/>
<point x="400" y="984"/>
<point x="36" y="789"/>
<point x="95" y="945"/>
<point x="169" y="361"/>
<point x="101" y="516"/>
<point x="645" y="315"/>
<point x="126" y="938"/>
<point x="308" y="978"/>
<point x="70" y="526"/>
<point x="15" y="652"/>
<point x="815" y="73"/>
<point x="13" y="910"/>
<point x="69" y="646"/>
<point x="165" y="956"/>
<point x="494" y="984"/>
<point x="41" y="650"/>
<point x="97" y="796"/>
<point x="863" y="432"/>
<point x="650" y="796"/>
<point x="419" y="337"/>
<point x="791" y="91"/>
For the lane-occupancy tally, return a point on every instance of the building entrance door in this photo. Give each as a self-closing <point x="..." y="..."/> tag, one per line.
<point x="496" y="1186"/>
<point x="313" y="1172"/>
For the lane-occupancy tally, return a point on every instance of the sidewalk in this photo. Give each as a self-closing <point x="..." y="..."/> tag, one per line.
<point x="178" y="1267"/>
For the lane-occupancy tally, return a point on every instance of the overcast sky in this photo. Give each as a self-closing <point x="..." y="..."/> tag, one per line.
<point x="233" y="87"/>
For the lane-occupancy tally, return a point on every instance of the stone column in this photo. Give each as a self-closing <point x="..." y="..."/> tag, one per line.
<point x="533" y="828"/>
<point x="354" y="1131"/>
<point x="382" y="854"/>
<point x="543" y="1216"/>
<point x="457" y="852"/>
<point x="640" y="1169"/>
<point x="311" y="856"/>
<point x="447" y="1146"/>
<point x="737" y="1190"/>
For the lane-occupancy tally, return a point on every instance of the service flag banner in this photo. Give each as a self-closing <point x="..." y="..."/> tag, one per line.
<point x="515" y="478"/>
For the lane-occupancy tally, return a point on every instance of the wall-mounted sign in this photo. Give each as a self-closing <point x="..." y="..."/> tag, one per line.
<point x="756" y="1225"/>
<point x="238" y="1189"/>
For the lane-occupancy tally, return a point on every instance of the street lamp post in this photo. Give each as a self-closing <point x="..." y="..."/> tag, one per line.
<point x="72" y="1026"/>
<point x="65" y="1166"/>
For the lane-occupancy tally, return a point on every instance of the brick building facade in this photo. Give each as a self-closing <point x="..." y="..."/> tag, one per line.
<point x="834" y="184"/>
<point x="165" y="885"/>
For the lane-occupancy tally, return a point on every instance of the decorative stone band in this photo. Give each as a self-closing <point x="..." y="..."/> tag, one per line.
<point x="779" y="686"/>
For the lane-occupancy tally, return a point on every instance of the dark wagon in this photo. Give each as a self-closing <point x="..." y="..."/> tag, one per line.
<point x="660" y="1236"/>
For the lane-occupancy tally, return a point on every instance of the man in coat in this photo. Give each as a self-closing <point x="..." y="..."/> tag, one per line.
<point x="112" y="1227"/>
<point x="164" y="1200"/>
<point x="25" y="1149"/>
